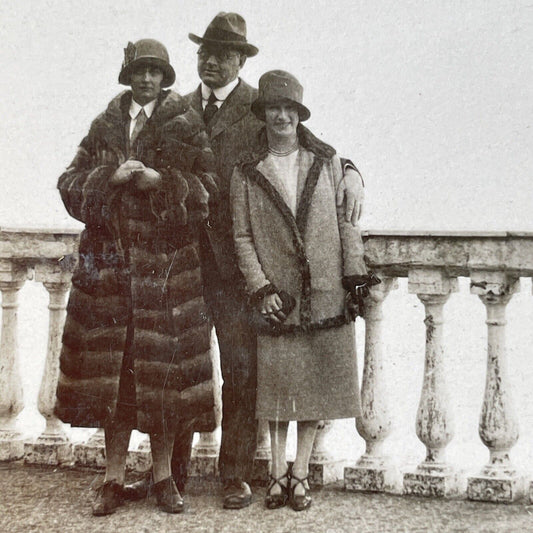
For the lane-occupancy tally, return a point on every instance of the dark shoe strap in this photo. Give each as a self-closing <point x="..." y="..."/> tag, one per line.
<point x="299" y="482"/>
<point x="276" y="481"/>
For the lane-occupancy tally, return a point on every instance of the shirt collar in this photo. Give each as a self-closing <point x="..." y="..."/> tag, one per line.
<point x="221" y="93"/>
<point x="135" y="108"/>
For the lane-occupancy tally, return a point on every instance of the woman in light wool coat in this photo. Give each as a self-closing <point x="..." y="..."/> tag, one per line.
<point x="301" y="261"/>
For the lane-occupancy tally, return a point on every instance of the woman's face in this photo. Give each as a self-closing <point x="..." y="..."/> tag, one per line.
<point x="281" y="119"/>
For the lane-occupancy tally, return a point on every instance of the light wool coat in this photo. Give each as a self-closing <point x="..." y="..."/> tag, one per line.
<point x="307" y="255"/>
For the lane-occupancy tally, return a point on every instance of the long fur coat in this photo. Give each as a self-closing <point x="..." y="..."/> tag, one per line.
<point x="137" y="288"/>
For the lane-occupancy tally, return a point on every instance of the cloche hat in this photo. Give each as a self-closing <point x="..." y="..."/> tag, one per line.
<point x="279" y="86"/>
<point x="146" y="51"/>
<point x="226" y="29"/>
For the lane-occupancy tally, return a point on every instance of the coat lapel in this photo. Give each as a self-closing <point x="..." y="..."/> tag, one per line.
<point x="309" y="187"/>
<point x="236" y="105"/>
<point x="269" y="173"/>
<point x="253" y="173"/>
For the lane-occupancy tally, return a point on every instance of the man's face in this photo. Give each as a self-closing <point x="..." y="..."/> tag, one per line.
<point x="145" y="83"/>
<point x="218" y="66"/>
<point x="281" y="119"/>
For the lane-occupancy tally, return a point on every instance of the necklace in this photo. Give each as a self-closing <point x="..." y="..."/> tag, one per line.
<point x="277" y="153"/>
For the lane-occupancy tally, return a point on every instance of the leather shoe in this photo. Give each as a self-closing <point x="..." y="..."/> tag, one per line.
<point x="108" y="498"/>
<point x="137" y="490"/>
<point x="237" y="494"/>
<point x="168" y="497"/>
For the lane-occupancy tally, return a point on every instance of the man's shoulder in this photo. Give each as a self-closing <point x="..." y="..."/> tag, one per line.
<point x="247" y="89"/>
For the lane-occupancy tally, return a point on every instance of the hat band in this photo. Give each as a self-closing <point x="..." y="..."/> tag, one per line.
<point x="217" y="34"/>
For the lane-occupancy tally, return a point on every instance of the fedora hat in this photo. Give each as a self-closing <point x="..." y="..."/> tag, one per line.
<point x="146" y="52"/>
<point x="278" y="86"/>
<point x="226" y="29"/>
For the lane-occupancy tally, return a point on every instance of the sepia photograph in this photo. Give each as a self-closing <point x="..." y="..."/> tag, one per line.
<point x="266" y="267"/>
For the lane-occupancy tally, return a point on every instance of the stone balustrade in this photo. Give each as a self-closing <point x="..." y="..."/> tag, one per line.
<point x="430" y="261"/>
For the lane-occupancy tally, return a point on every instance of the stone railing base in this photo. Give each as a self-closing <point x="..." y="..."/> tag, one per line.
<point x="11" y="445"/>
<point x="48" y="451"/>
<point x="372" y="478"/>
<point x="203" y="465"/>
<point x="497" y="490"/>
<point x="432" y="485"/>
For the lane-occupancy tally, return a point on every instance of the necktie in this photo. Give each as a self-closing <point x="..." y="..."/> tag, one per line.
<point x="210" y="108"/>
<point x="139" y="125"/>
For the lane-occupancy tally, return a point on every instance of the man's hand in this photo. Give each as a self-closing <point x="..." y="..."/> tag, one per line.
<point x="126" y="171"/>
<point x="147" y="179"/>
<point x="351" y="188"/>
<point x="270" y="308"/>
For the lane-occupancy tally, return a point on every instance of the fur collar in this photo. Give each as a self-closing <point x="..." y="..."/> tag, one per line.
<point x="108" y="128"/>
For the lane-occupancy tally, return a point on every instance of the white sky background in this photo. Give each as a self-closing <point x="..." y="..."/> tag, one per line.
<point x="431" y="99"/>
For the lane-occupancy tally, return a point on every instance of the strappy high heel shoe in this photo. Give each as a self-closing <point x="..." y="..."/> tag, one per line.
<point x="299" y="502"/>
<point x="275" y="501"/>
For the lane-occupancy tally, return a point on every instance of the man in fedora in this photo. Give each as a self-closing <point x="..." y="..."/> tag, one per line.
<point x="137" y="184"/>
<point x="225" y="101"/>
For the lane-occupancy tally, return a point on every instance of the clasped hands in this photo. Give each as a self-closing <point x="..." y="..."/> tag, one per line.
<point x="143" y="177"/>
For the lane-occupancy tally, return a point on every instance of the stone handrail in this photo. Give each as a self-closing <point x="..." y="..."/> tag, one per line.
<point x="431" y="262"/>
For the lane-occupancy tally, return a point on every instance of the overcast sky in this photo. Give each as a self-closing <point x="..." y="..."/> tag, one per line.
<point x="431" y="99"/>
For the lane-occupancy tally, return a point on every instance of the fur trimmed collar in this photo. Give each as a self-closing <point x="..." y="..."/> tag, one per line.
<point x="306" y="140"/>
<point x="109" y="126"/>
<point x="169" y="104"/>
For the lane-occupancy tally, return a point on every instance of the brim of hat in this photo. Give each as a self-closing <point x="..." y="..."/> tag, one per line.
<point x="258" y="108"/>
<point x="249" y="49"/>
<point x="169" y="76"/>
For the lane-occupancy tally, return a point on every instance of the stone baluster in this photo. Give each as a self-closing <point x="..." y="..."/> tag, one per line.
<point x="498" y="481"/>
<point x="207" y="445"/>
<point x="434" y="424"/>
<point x="263" y="453"/>
<point x="92" y="452"/>
<point x="140" y="459"/>
<point x="11" y="394"/>
<point x="53" y="445"/>
<point x="323" y="467"/>
<point x="263" y="441"/>
<point x="204" y="460"/>
<point x="374" y="471"/>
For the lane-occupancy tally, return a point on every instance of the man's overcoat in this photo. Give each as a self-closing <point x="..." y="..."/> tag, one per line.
<point x="136" y="302"/>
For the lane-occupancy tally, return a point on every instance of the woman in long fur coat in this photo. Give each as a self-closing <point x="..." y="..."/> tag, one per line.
<point x="136" y="344"/>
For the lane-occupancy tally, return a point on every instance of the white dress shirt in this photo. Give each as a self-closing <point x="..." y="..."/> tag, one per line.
<point x="135" y="109"/>
<point x="221" y="93"/>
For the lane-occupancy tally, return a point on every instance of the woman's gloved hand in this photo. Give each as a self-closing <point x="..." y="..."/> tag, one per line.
<point x="358" y="288"/>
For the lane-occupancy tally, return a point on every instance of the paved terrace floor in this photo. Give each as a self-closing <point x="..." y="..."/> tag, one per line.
<point x="38" y="499"/>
